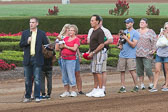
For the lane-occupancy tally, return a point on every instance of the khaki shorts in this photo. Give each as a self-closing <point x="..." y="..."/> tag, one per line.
<point x="126" y="63"/>
<point x="99" y="62"/>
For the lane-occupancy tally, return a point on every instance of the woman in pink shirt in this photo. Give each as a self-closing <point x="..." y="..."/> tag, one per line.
<point x="68" y="61"/>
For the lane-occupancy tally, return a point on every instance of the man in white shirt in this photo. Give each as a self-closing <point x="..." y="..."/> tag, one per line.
<point x="108" y="40"/>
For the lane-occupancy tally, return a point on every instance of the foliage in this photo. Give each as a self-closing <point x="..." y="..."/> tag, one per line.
<point x="121" y="8"/>
<point x="53" y="11"/>
<point x="152" y="10"/>
<point x="6" y="66"/>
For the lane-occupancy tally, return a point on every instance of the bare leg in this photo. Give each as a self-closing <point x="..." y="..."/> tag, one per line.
<point x="95" y="80"/>
<point x="123" y="79"/>
<point x="166" y="70"/>
<point x="66" y="87"/>
<point x="104" y="78"/>
<point x="134" y="77"/>
<point x="141" y="79"/>
<point x="99" y="77"/>
<point x="78" y="81"/>
<point x="157" y="73"/>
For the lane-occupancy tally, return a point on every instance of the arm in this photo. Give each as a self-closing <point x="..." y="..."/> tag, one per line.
<point x="109" y="41"/>
<point x="74" y="48"/>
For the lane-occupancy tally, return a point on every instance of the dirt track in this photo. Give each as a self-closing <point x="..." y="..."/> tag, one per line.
<point x="11" y="95"/>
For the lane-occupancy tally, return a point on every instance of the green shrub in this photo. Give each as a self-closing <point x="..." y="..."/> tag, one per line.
<point x="9" y="38"/>
<point x="10" y="46"/>
<point x="112" y="61"/>
<point x="55" y="24"/>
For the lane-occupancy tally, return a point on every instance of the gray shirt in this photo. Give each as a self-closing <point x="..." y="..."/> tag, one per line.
<point x="162" y="51"/>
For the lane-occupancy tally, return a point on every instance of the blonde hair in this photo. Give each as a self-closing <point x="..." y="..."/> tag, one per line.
<point x="75" y="28"/>
<point x="64" y="29"/>
<point x="165" y="24"/>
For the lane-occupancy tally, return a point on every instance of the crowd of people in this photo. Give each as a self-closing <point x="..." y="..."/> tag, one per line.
<point x="137" y="48"/>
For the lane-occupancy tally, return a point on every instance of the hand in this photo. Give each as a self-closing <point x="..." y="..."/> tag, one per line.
<point x="90" y="55"/>
<point x="29" y="40"/>
<point x="152" y="52"/>
<point x="124" y="36"/>
<point x="120" y="46"/>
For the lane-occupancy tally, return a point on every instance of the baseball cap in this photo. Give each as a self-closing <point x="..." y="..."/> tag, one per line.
<point x="129" y="20"/>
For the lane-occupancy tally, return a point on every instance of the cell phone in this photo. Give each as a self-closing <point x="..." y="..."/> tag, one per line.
<point x="161" y="30"/>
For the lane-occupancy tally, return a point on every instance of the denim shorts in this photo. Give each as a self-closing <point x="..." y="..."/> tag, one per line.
<point x="161" y="59"/>
<point x="77" y="66"/>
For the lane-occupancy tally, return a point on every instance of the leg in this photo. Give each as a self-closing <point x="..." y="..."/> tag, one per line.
<point x="78" y="81"/>
<point x="148" y="69"/>
<point x="123" y="78"/>
<point x="134" y="77"/>
<point x="140" y="69"/>
<point x="43" y="82"/>
<point x="28" y="72"/>
<point x="157" y="73"/>
<point x="37" y="74"/>
<point x="99" y="78"/>
<point x="49" y="82"/>
<point x="166" y="70"/>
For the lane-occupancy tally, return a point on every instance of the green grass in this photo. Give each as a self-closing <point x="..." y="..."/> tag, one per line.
<point x="76" y="9"/>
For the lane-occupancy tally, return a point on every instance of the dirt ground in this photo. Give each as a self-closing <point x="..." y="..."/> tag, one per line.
<point x="12" y="93"/>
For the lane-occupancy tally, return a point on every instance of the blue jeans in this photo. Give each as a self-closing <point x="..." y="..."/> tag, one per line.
<point x="30" y="71"/>
<point x="68" y="72"/>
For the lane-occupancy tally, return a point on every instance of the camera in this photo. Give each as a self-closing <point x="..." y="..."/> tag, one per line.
<point x="122" y="40"/>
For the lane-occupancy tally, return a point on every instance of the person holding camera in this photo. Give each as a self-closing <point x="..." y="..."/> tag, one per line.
<point x="127" y="56"/>
<point x="161" y="57"/>
<point x="146" y="47"/>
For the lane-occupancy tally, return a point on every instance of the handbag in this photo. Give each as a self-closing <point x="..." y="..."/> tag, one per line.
<point x="162" y="41"/>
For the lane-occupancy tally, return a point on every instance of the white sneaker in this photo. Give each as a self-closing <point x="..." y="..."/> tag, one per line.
<point x="26" y="100"/>
<point x="90" y="93"/>
<point x="142" y="86"/>
<point x="73" y="94"/>
<point x="99" y="93"/>
<point x="65" y="94"/>
<point x="37" y="100"/>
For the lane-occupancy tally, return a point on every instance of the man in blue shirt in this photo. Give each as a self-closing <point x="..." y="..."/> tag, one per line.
<point x="127" y="56"/>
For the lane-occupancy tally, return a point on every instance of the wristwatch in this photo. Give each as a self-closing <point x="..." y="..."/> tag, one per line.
<point x="93" y="52"/>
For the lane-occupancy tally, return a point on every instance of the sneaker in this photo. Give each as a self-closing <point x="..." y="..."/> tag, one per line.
<point x="81" y="93"/>
<point x="43" y="97"/>
<point x="99" y="93"/>
<point x="142" y="87"/>
<point x="92" y="92"/>
<point x="153" y="90"/>
<point x="65" y="94"/>
<point x="37" y="100"/>
<point x="26" y="100"/>
<point x="150" y="86"/>
<point x="122" y="90"/>
<point x="135" y="89"/>
<point x="164" y="89"/>
<point x="73" y="94"/>
<point x="48" y="97"/>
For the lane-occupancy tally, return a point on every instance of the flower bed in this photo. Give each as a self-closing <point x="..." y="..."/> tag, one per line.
<point x="83" y="37"/>
<point x="6" y="66"/>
